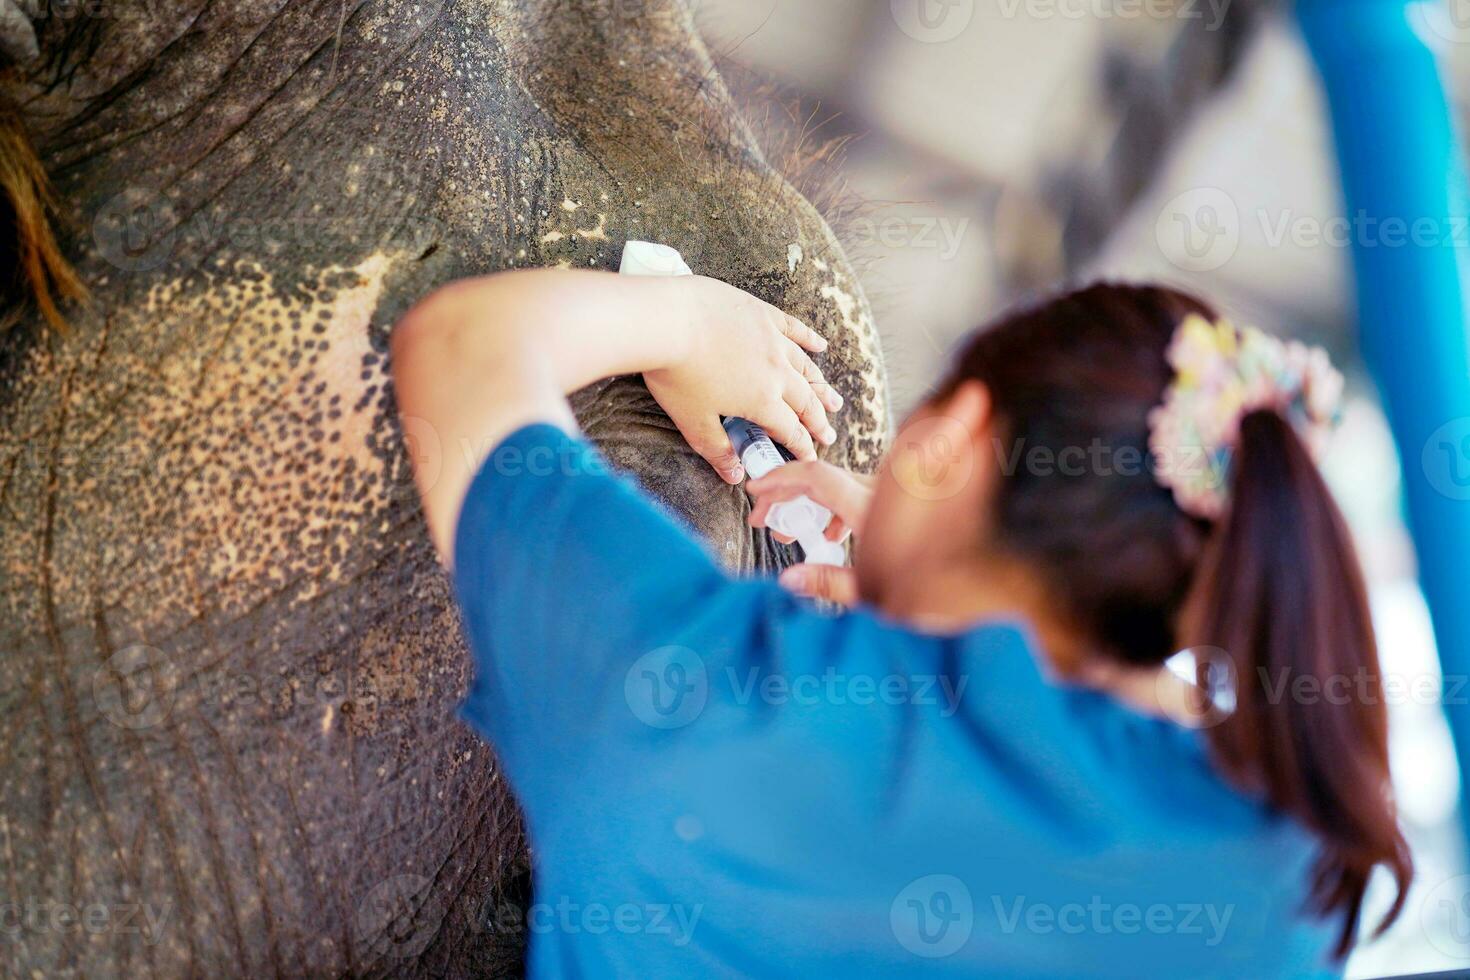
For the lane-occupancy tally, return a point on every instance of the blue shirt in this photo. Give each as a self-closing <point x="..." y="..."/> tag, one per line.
<point x="721" y="781"/>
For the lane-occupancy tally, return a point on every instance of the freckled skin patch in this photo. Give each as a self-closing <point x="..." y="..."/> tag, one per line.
<point x="231" y="660"/>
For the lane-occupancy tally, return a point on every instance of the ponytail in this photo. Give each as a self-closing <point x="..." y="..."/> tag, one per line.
<point x="1279" y="588"/>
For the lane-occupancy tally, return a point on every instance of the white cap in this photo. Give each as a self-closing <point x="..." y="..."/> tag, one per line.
<point x="806" y="520"/>
<point x="652" y="259"/>
<point x="817" y="550"/>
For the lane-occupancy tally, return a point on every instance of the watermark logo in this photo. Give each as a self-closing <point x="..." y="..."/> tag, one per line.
<point x="668" y="687"/>
<point x="1199" y="230"/>
<point x="141" y="230"/>
<point x="399" y="917"/>
<point x="1441" y="20"/>
<point x="1360" y="686"/>
<point x="1210" y="685"/>
<point x="1446" y="459"/>
<point x="38" y="916"/>
<point x="933" y="916"/>
<point x="1211" y="13"/>
<point x="673" y="923"/>
<point x="1444" y="917"/>
<point x="933" y="21"/>
<point x="136" y="230"/>
<point x="1099" y="917"/>
<point x="931" y="233"/>
<point x="832" y="687"/>
<point x="137" y="687"/>
<point x="642" y="8"/>
<point x="933" y="458"/>
<point x="425" y="450"/>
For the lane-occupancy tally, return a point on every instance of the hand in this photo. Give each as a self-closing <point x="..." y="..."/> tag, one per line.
<point x="846" y="494"/>
<point x="745" y="358"/>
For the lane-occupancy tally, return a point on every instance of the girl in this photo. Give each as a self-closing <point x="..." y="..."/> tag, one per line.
<point x="982" y="767"/>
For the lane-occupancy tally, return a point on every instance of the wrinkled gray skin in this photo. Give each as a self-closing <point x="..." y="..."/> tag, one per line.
<point x="231" y="662"/>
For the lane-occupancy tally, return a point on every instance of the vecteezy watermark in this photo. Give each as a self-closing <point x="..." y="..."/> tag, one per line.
<point x="141" y="230"/>
<point x="670" y="687"/>
<point x="1361" y="229"/>
<point x="667" y="688"/>
<point x="839" y="688"/>
<point x="1215" y="686"/>
<point x="141" y="687"/>
<point x="424" y="447"/>
<point x="1360" y="686"/>
<point x="239" y="12"/>
<point x="1446" y="459"/>
<point x="65" y="10"/>
<point x="1100" y="917"/>
<point x="933" y="916"/>
<point x="1100" y="458"/>
<point x="37" y="916"/>
<point x="933" y="458"/>
<point x="1202" y="229"/>
<point x="673" y="921"/>
<point x="640" y="8"/>
<point x="399" y="917"/>
<point x="1211" y="12"/>
<point x="932" y="233"/>
<point x="933" y="21"/>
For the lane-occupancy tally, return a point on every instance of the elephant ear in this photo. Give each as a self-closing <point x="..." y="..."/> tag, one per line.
<point x="17" y="33"/>
<point x="42" y="276"/>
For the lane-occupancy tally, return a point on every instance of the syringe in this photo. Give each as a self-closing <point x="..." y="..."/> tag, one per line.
<point x="803" y="518"/>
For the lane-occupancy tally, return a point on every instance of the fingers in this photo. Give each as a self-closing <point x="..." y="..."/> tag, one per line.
<point x="841" y="492"/>
<point x="801" y="334"/>
<point x="808" y="369"/>
<point x="828" y="582"/>
<point x="708" y="438"/>
<point x="785" y="426"/>
<point x="808" y="407"/>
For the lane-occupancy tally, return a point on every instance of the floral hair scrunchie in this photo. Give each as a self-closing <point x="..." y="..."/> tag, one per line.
<point x="1222" y="374"/>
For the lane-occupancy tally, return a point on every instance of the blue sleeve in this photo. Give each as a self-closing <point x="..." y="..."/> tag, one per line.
<point x="573" y="587"/>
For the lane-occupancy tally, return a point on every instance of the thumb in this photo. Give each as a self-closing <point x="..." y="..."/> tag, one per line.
<point x="707" y="437"/>
<point x="830" y="582"/>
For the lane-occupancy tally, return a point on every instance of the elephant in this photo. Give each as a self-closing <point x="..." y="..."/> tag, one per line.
<point x="232" y="662"/>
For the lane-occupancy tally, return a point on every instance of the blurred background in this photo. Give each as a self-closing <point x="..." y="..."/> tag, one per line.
<point x="976" y="152"/>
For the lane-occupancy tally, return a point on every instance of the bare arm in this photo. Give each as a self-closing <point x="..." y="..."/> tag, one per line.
<point x="480" y="358"/>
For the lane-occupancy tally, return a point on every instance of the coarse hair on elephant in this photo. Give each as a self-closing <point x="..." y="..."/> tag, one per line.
<point x="231" y="662"/>
<point x="40" y="275"/>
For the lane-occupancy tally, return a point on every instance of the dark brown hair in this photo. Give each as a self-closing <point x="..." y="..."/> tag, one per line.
<point x="1275" y="582"/>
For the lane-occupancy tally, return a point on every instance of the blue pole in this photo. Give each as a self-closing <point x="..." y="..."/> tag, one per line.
<point x="1401" y="170"/>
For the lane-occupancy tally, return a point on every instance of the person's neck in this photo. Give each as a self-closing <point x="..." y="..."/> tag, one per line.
<point x="958" y="594"/>
<point x="955" y="594"/>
